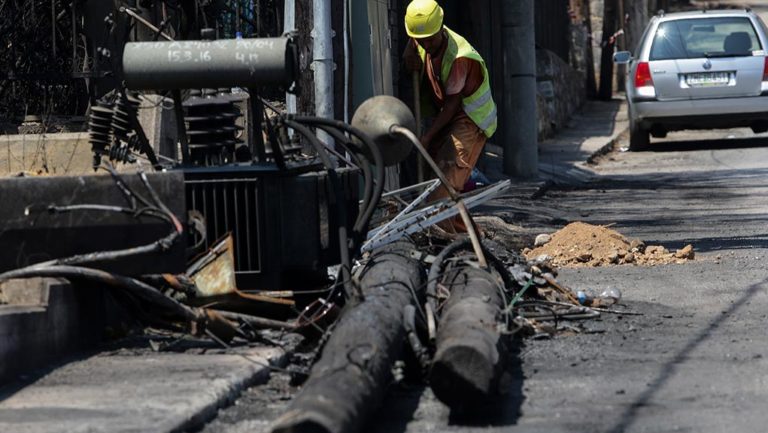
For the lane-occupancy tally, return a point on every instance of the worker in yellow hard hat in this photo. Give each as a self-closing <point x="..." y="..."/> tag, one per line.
<point x="456" y="77"/>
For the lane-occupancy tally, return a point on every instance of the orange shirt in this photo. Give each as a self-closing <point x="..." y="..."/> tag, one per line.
<point x="465" y="77"/>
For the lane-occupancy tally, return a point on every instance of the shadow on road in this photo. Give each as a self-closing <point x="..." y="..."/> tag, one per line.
<point x="669" y="369"/>
<point x="502" y="411"/>
<point x="718" y="144"/>
<point x="408" y="408"/>
<point x="678" y="207"/>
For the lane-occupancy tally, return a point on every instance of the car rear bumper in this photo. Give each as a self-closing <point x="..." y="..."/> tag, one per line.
<point x="748" y="106"/>
<point x="702" y="113"/>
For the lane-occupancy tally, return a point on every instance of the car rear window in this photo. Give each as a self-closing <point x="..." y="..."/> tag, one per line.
<point x="704" y="37"/>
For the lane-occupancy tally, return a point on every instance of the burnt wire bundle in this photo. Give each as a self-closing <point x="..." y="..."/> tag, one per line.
<point x="364" y="154"/>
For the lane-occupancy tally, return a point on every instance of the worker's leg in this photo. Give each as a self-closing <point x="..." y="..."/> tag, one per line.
<point x="456" y="153"/>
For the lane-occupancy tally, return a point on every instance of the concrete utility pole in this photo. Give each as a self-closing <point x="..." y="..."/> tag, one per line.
<point x="521" y="157"/>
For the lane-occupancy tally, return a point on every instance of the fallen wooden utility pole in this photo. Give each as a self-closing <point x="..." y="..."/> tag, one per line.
<point x="349" y="381"/>
<point x="471" y="351"/>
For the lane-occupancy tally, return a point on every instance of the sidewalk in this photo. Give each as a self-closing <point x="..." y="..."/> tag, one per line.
<point x="591" y="132"/>
<point x="134" y="391"/>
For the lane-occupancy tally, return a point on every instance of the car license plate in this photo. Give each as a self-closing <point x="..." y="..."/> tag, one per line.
<point x="706" y="79"/>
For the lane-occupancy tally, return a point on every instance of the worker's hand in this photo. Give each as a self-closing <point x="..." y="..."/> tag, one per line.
<point x="411" y="57"/>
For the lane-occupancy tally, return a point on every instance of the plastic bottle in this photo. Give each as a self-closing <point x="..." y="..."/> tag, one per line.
<point x="585" y="297"/>
<point x="606" y="298"/>
<point x="610" y="296"/>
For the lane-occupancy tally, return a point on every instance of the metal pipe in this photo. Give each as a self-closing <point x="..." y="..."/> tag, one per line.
<point x="416" y="78"/>
<point x="289" y="25"/>
<point x="246" y="63"/>
<point x="322" y="62"/>
<point x="451" y="192"/>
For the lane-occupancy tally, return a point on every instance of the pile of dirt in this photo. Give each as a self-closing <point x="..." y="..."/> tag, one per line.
<point x="584" y="245"/>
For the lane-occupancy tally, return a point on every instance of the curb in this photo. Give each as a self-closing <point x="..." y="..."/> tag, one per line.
<point x="607" y="147"/>
<point x="591" y="160"/>
<point x="260" y="376"/>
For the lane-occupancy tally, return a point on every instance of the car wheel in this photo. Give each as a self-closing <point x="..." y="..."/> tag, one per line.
<point x="639" y="139"/>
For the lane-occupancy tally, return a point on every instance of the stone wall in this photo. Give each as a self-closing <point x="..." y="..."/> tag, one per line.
<point x="561" y="91"/>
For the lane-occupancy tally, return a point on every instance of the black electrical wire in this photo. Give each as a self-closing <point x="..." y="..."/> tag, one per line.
<point x="409" y="323"/>
<point x="459" y="245"/>
<point x="378" y="160"/>
<point x="360" y="226"/>
<point x="375" y="151"/>
<point x="337" y="197"/>
<point x="159" y="203"/>
<point x="156" y="213"/>
<point x="157" y="210"/>
<point x="162" y="244"/>
<point x="136" y="287"/>
<point x="333" y="128"/>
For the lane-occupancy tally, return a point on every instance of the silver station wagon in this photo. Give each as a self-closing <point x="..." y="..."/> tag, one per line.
<point x="697" y="70"/>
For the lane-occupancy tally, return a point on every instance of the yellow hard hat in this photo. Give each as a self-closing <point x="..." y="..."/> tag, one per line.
<point x="423" y="18"/>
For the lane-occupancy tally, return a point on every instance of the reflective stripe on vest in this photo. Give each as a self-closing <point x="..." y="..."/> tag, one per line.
<point x="479" y="106"/>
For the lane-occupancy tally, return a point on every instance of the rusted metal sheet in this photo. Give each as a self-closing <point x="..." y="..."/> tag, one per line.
<point x="214" y="272"/>
<point x="214" y="275"/>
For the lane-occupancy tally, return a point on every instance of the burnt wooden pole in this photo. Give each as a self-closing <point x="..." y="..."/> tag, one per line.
<point x="471" y="351"/>
<point x="606" y="56"/>
<point x="349" y="381"/>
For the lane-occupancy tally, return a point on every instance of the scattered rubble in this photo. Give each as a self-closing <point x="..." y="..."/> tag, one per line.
<point x="584" y="245"/>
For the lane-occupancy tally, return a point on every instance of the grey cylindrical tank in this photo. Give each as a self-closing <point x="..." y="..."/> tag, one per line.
<point x="210" y="64"/>
<point x="376" y="116"/>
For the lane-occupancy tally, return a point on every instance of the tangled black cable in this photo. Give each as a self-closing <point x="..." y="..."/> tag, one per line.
<point x="154" y="209"/>
<point x="462" y="244"/>
<point x="365" y="154"/>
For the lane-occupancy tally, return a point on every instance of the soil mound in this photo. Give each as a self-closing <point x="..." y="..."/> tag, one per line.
<point x="584" y="245"/>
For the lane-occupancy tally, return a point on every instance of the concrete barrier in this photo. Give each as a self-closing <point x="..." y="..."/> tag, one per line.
<point x="43" y="320"/>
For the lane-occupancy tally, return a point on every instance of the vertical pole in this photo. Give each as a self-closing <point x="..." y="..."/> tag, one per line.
<point x="416" y="77"/>
<point x="591" y="82"/>
<point x="322" y="62"/>
<point x="289" y="25"/>
<point x="621" y="43"/>
<point x="521" y="157"/>
<point x="606" y="55"/>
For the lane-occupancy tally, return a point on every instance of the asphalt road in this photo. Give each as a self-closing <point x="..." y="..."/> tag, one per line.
<point x="696" y="361"/>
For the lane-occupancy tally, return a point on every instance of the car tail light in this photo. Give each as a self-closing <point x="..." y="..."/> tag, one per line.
<point x="643" y="75"/>
<point x="765" y="70"/>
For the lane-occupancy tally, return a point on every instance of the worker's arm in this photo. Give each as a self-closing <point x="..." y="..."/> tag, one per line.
<point x="411" y="58"/>
<point x="451" y="107"/>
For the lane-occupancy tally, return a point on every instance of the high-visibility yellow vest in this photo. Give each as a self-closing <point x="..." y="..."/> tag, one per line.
<point x="479" y="106"/>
